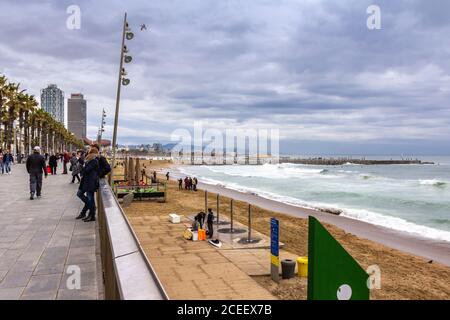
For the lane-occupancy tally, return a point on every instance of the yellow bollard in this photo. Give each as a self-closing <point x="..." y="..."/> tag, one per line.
<point x="302" y="266"/>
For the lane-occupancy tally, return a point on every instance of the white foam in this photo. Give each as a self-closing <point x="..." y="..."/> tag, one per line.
<point x="433" y="182"/>
<point x="395" y="223"/>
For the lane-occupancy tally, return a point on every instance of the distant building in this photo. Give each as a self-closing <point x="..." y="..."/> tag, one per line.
<point x="52" y="101"/>
<point x="76" y="115"/>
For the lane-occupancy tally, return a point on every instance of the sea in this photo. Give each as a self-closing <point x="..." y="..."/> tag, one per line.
<point x="413" y="198"/>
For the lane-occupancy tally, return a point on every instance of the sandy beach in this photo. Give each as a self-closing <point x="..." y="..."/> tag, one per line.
<point x="403" y="259"/>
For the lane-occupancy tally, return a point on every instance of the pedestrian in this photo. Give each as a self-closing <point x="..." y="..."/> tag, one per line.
<point x="103" y="166"/>
<point x="36" y="167"/>
<point x="201" y="218"/>
<point x="88" y="185"/>
<point x="167" y="175"/>
<point x="53" y="163"/>
<point x="154" y="177"/>
<point x="190" y="183"/>
<point x="75" y="167"/>
<point x="210" y="222"/>
<point x="194" y="184"/>
<point x="186" y="183"/>
<point x="1" y="160"/>
<point x="66" y="159"/>
<point x="143" y="174"/>
<point x="180" y="184"/>
<point x="8" y="160"/>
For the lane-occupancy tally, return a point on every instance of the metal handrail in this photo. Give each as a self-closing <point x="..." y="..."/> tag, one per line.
<point x="127" y="273"/>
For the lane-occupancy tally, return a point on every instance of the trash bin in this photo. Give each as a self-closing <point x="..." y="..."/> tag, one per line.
<point x="287" y="268"/>
<point x="302" y="264"/>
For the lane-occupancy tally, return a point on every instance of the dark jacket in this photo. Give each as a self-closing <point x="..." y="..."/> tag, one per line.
<point x="36" y="164"/>
<point x="89" y="176"/>
<point x="53" y="161"/>
<point x="8" y="158"/>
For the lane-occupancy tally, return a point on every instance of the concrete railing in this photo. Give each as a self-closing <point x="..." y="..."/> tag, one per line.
<point x="127" y="273"/>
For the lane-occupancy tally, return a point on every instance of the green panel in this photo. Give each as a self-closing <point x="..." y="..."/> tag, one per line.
<point x="332" y="273"/>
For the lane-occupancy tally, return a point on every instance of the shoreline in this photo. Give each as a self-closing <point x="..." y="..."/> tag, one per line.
<point x="435" y="250"/>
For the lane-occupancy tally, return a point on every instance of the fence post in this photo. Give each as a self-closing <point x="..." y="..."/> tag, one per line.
<point x="231" y="215"/>
<point x="218" y="210"/>
<point x="249" y="224"/>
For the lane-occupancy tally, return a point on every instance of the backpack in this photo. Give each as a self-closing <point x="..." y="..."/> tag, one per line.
<point x="103" y="167"/>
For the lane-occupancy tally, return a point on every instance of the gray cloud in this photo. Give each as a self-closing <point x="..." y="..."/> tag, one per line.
<point x="310" y="68"/>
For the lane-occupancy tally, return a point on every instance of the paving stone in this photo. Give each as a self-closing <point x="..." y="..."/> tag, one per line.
<point x="11" y="293"/>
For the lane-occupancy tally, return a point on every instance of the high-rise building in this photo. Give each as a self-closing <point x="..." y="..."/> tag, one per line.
<point x="76" y="115"/>
<point x="52" y="101"/>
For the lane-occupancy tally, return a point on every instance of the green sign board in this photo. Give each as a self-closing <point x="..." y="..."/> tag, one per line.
<point x="333" y="274"/>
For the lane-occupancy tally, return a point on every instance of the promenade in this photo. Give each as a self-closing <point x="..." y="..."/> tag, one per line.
<point x="42" y="246"/>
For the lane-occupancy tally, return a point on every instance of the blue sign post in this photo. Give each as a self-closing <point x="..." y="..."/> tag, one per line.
<point x="274" y="250"/>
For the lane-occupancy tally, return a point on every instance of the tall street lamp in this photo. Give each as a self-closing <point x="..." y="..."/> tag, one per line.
<point x="102" y="128"/>
<point x="122" y="80"/>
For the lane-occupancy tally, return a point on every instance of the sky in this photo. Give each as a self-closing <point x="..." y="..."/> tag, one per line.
<point x="310" y="68"/>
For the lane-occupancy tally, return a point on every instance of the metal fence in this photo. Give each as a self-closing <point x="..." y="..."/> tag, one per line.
<point x="127" y="273"/>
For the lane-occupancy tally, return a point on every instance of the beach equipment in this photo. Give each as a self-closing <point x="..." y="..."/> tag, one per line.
<point x="287" y="268"/>
<point x="215" y="243"/>
<point x="187" y="234"/>
<point x="202" y="234"/>
<point x="333" y="274"/>
<point x="302" y="267"/>
<point x="174" y="218"/>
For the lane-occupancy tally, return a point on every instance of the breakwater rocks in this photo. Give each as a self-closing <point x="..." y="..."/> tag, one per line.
<point x="340" y="162"/>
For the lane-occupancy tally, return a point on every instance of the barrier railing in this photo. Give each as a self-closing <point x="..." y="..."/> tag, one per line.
<point x="127" y="273"/>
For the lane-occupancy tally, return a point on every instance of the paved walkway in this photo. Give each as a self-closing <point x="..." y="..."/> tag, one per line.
<point x="193" y="269"/>
<point x="41" y="243"/>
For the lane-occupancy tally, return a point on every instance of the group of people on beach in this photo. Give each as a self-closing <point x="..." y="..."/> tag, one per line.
<point x="92" y="166"/>
<point x="199" y="222"/>
<point x="189" y="183"/>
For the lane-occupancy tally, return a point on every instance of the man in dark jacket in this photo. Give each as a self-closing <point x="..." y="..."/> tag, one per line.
<point x="88" y="185"/>
<point x="53" y="163"/>
<point x="210" y="222"/>
<point x="35" y="167"/>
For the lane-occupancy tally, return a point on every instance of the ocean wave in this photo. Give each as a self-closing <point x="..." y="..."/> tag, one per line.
<point x="433" y="182"/>
<point x="396" y="223"/>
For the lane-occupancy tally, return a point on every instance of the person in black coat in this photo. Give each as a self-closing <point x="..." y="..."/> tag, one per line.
<point x="88" y="185"/>
<point x="35" y="168"/>
<point x="53" y="163"/>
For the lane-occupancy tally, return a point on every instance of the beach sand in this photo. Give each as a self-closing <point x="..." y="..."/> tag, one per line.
<point x="403" y="275"/>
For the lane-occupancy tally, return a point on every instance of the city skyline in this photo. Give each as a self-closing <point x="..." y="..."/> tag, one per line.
<point x="313" y="70"/>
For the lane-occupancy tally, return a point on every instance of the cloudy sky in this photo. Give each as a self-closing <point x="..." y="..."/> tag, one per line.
<point x="309" y="68"/>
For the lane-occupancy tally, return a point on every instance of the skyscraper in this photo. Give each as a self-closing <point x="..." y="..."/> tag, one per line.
<point x="76" y="115"/>
<point x="52" y="101"/>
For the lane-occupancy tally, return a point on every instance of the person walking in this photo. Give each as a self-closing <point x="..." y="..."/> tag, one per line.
<point x="210" y="222"/>
<point x="1" y="160"/>
<point x="167" y="175"/>
<point x="8" y="160"/>
<point x="180" y="184"/>
<point x="36" y="167"/>
<point x="75" y="167"/>
<point x="88" y="185"/>
<point x="53" y="163"/>
<point x="66" y="159"/>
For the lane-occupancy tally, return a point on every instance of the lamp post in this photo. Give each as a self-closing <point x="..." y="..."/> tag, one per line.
<point x="102" y="128"/>
<point x="126" y="33"/>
